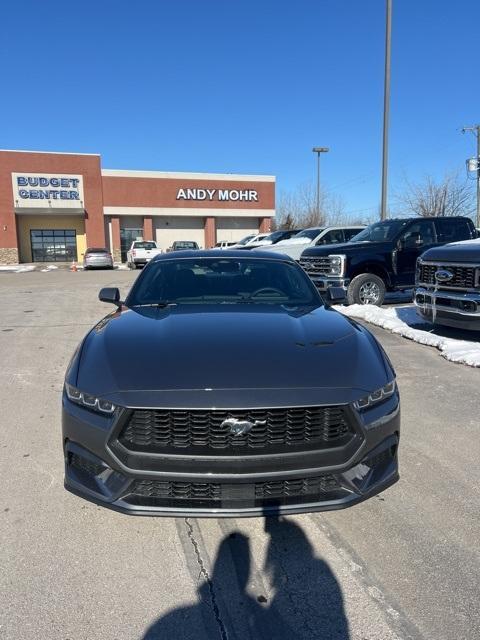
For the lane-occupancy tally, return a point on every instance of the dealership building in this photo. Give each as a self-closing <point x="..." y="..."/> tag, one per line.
<point x="55" y="205"/>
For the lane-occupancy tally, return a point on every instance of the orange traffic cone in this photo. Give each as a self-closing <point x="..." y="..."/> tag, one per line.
<point x="74" y="266"/>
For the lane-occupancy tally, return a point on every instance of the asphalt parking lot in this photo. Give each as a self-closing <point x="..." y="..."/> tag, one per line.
<point x="402" y="565"/>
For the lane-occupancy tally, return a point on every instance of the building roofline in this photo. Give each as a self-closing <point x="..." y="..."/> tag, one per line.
<point x="55" y="153"/>
<point x="185" y="175"/>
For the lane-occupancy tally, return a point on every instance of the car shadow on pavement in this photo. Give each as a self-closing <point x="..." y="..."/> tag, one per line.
<point x="306" y="600"/>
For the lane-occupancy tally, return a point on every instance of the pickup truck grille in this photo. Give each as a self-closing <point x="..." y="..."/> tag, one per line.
<point x="320" y="266"/>
<point x="464" y="277"/>
<point x="201" y="431"/>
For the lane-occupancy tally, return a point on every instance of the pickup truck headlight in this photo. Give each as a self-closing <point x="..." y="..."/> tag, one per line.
<point x="88" y="401"/>
<point x="337" y="264"/>
<point x="376" y="396"/>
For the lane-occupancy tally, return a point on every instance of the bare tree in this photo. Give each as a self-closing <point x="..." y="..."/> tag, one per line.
<point x="298" y="208"/>
<point x="449" y="196"/>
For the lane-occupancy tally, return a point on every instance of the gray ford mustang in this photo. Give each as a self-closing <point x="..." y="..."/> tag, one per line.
<point x="225" y="386"/>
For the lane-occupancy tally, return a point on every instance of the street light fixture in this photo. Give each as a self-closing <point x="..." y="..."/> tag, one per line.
<point x="318" y="151"/>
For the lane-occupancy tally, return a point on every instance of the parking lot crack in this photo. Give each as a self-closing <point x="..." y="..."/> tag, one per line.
<point x="204" y="572"/>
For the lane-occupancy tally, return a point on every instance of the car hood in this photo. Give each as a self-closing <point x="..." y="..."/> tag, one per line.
<point x="226" y="354"/>
<point x="294" y="240"/>
<point x="466" y="251"/>
<point x="346" y="248"/>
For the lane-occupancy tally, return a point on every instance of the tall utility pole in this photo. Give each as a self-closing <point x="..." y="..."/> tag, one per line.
<point x="318" y="151"/>
<point x="476" y="132"/>
<point x="386" y="110"/>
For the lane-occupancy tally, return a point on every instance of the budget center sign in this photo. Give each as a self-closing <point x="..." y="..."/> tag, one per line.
<point x="47" y="191"/>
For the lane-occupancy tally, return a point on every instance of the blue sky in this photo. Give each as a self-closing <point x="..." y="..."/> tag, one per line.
<point x="244" y="87"/>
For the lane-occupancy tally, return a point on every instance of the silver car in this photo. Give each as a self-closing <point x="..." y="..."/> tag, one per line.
<point x="96" y="257"/>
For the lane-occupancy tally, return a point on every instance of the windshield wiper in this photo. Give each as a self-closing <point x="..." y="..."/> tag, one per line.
<point x="160" y="304"/>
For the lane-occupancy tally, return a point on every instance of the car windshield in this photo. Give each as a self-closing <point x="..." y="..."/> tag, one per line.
<point x="97" y="250"/>
<point x="246" y="239"/>
<point x="145" y="245"/>
<point x="308" y="233"/>
<point x="380" y="231"/>
<point x="225" y="281"/>
<point x="277" y="235"/>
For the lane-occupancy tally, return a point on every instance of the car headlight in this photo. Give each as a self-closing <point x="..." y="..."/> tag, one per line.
<point x="88" y="400"/>
<point x="375" y="397"/>
<point x="337" y="263"/>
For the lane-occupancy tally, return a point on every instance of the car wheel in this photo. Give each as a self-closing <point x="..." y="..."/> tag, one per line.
<point x="366" y="288"/>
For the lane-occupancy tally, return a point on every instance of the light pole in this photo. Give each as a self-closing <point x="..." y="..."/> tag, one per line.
<point x="386" y="110"/>
<point x="318" y="151"/>
<point x="476" y="132"/>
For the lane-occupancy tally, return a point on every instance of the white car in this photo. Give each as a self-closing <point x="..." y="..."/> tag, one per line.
<point x="141" y="252"/>
<point x="313" y="236"/>
<point x="250" y="241"/>
<point x="225" y="244"/>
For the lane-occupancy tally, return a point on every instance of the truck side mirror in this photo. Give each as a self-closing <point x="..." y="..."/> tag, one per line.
<point x="111" y="295"/>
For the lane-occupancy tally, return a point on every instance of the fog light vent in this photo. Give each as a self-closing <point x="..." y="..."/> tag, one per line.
<point x="82" y="464"/>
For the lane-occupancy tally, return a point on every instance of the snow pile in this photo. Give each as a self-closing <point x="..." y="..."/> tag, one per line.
<point x="399" y="320"/>
<point x="16" y="268"/>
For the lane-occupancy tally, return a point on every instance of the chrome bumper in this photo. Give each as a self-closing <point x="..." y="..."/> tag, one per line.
<point x="465" y="304"/>
<point x="324" y="282"/>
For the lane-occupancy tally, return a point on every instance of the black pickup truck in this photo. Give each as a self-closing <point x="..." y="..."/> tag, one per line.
<point x="382" y="257"/>
<point x="447" y="288"/>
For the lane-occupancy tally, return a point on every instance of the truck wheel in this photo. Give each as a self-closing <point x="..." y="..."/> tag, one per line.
<point x="366" y="288"/>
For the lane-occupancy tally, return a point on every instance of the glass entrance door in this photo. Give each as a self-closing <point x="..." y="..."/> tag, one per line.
<point x="53" y="245"/>
<point x="127" y="236"/>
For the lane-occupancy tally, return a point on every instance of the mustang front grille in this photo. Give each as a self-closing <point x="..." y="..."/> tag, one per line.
<point x="213" y="494"/>
<point x="463" y="276"/>
<point x="205" y="432"/>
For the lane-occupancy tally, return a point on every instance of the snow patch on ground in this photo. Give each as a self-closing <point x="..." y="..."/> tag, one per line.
<point x="15" y="268"/>
<point x="50" y="267"/>
<point x="399" y="320"/>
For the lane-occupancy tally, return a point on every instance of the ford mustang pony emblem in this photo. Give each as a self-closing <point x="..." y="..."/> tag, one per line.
<point x="442" y="275"/>
<point x="241" y="427"/>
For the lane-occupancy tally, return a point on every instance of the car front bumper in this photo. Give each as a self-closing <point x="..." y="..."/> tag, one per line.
<point x="449" y="308"/>
<point x="325" y="282"/>
<point x="248" y="486"/>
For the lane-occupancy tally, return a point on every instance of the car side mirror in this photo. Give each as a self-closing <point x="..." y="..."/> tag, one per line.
<point x="111" y="295"/>
<point x="336" y="295"/>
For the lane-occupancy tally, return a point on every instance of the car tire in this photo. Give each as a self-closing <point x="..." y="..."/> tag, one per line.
<point x="366" y="288"/>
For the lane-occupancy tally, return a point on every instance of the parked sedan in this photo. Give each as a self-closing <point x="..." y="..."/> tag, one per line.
<point x="97" y="257"/>
<point x="302" y="416"/>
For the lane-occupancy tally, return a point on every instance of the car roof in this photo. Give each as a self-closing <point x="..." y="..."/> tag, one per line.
<point x="222" y="253"/>
<point x="420" y="218"/>
<point x="345" y="226"/>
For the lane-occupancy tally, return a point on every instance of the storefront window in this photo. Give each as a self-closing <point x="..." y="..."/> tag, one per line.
<point x="53" y="245"/>
<point x="127" y="236"/>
